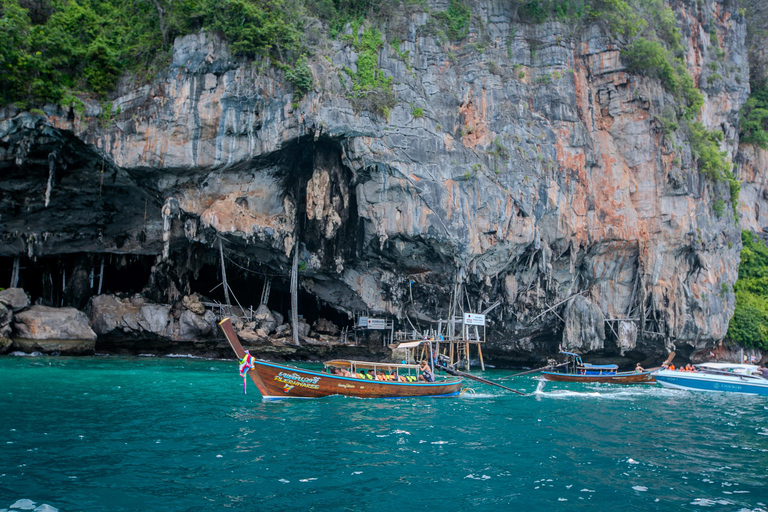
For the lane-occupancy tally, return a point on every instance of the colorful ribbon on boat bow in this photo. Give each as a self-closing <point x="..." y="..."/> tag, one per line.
<point x="246" y="363"/>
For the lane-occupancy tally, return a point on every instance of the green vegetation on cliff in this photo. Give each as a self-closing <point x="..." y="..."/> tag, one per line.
<point x="52" y="49"/>
<point x="754" y="115"/>
<point x="749" y="325"/>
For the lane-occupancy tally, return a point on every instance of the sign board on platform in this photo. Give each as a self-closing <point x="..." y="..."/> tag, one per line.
<point x="377" y="323"/>
<point x="473" y="319"/>
<point x="362" y="321"/>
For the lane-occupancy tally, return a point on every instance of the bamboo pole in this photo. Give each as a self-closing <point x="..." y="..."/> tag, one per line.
<point x="553" y="307"/>
<point x="295" y="293"/>
<point x="224" y="273"/>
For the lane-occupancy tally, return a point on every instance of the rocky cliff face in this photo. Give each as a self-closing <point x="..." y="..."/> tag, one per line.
<point x="537" y="178"/>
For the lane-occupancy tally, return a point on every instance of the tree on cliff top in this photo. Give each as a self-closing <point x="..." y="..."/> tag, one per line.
<point x="749" y="325"/>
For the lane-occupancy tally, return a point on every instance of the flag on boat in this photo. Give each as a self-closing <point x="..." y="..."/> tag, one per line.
<point x="246" y="363"/>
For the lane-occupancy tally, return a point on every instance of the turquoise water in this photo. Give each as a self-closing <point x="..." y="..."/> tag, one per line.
<point x="171" y="434"/>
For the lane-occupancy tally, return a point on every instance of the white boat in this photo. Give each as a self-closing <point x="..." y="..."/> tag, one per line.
<point x="717" y="377"/>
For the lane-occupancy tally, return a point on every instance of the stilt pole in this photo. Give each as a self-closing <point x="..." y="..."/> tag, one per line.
<point x="224" y="273"/>
<point x="101" y="276"/>
<point x="294" y="293"/>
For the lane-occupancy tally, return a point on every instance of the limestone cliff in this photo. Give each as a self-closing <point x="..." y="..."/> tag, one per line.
<point x="523" y="165"/>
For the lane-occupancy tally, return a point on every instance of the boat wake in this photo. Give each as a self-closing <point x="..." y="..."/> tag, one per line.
<point x="608" y="391"/>
<point x="478" y="395"/>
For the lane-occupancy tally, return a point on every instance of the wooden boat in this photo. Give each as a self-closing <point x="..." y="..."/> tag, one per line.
<point x="276" y="381"/>
<point x="575" y="370"/>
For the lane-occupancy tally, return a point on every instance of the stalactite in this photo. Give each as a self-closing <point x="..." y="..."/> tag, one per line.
<point x="51" y="177"/>
<point x="15" y="274"/>
<point x="169" y="211"/>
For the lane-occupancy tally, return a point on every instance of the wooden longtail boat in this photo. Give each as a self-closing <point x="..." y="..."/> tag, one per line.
<point x="611" y="378"/>
<point x="276" y="381"/>
<point x="575" y="370"/>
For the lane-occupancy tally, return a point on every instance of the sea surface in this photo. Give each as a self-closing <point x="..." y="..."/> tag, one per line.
<point x="177" y="434"/>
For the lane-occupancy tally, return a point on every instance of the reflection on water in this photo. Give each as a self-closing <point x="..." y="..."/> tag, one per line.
<point x="178" y="434"/>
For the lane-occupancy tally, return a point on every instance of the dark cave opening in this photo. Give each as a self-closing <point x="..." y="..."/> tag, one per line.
<point x="71" y="279"/>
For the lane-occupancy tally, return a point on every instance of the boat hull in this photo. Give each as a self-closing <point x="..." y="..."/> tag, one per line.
<point x="276" y="381"/>
<point x="711" y="383"/>
<point x="615" y="378"/>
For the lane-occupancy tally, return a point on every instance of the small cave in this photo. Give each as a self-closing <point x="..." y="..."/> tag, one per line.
<point x="69" y="280"/>
<point x="324" y="191"/>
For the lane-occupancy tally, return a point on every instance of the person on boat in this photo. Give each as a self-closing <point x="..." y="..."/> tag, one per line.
<point x="672" y="367"/>
<point x="425" y="373"/>
<point x="763" y="371"/>
<point x="639" y="369"/>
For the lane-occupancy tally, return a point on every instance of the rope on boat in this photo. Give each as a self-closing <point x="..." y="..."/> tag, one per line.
<point x="548" y="367"/>
<point x="458" y="373"/>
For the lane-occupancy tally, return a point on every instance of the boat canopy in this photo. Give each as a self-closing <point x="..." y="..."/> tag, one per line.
<point x="600" y="366"/>
<point x="367" y="365"/>
<point x="589" y="366"/>
<point x="411" y="344"/>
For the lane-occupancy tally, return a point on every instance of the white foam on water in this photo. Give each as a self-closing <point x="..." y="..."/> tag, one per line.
<point x="705" y="502"/>
<point x="185" y="356"/>
<point x="18" y="353"/>
<point x="475" y="477"/>
<point x="639" y="488"/>
<point x="46" y="508"/>
<point x="440" y="442"/>
<point x="357" y="472"/>
<point x="632" y="461"/>
<point x="478" y="395"/>
<point x="562" y="499"/>
<point x="566" y="393"/>
<point x="284" y="481"/>
<point x="401" y="432"/>
<point x="23" y="504"/>
<point x="307" y="479"/>
<point x="587" y="490"/>
<point x="147" y="355"/>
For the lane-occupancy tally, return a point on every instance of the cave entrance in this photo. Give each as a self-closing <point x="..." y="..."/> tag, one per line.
<point x="69" y="280"/>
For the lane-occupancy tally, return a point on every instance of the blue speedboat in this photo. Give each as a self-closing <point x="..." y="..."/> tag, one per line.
<point x="717" y="377"/>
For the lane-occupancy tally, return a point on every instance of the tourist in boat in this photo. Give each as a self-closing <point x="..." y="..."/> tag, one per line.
<point x="763" y="371"/>
<point x="425" y="373"/>
<point x="639" y="369"/>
